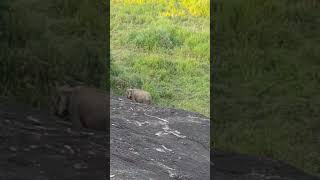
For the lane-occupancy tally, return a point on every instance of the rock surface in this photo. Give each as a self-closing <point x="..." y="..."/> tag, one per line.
<point x="232" y="166"/>
<point x="146" y="143"/>
<point x="157" y="143"/>
<point x="36" y="146"/>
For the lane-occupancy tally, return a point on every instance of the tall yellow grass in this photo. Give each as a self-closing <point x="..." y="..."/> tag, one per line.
<point x="175" y="7"/>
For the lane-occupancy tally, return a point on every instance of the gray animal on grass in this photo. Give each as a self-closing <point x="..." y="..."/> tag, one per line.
<point x="84" y="106"/>
<point x="139" y="96"/>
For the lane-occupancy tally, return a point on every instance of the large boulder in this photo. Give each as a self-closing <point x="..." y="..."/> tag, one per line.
<point x="149" y="142"/>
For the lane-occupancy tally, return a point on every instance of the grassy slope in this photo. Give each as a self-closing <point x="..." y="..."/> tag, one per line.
<point x="48" y="41"/>
<point x="169" y="57"/>
<point x="267" y="85"/>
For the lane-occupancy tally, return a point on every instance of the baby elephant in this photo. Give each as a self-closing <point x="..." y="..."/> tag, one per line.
<point x="139" y="96"/>
<point x="85" y="107"/>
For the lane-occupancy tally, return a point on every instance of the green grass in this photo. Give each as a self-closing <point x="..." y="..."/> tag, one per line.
<point x="267" y="81"/>
<point x="49" y="41"/>
<point x="167" y="56"/>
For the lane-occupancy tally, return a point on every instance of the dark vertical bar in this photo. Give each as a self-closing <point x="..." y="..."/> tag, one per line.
<point x="213" y="61"/>
<point x="44" y="43"/>
<point x="211" y="78"/>
<point x="264" y="89"/>
<point x="108" y="85"/>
